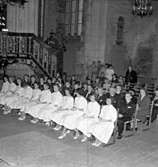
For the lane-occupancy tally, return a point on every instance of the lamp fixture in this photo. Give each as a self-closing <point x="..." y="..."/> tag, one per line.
<point x="142" y="8"/>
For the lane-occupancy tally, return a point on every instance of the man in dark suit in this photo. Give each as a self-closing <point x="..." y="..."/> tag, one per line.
<point x="131" y="76"/>
<point x="101" y="97"/>
<point x="126" y="111"/>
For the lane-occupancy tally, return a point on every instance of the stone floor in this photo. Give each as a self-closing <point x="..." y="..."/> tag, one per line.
<point x="25" y="145"/>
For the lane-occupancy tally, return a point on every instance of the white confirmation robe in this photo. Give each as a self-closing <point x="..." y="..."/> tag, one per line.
<point x="24" y="97"/>
<point x="44" y="100"/>
<point x="55" y="103"/>
<point x="70" y="119"/>
<point x="33" y="101"/>
<point x="14" y="98"/>
<point x="103" y="128"/>
<point x="67" y="105"/>
<point x="90" y="117"/>
<point x="5" y="88"/>
<point x="11" y="90"/>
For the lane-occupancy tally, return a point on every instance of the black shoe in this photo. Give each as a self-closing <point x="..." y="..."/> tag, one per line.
<point x="119" y="137"/>
<point x="128" y="128"/>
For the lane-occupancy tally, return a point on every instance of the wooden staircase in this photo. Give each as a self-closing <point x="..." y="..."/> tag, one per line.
<point x="29" y="49"/>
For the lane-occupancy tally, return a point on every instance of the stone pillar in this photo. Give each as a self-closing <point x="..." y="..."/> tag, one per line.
<point x="50" y="17"/>
<point x="155" y="59"/>
<point x="95" y="33"/>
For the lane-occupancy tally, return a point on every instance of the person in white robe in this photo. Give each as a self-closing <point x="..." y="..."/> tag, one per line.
<point x="70" y="119"/>
<point x="67" y="104"/>
<point x="45" y="113"/>
<point x="24" y="97"/>
<point x="10" y="92"/>
<point x="12" y="86"/>
<point x="4" y="90"/>
<point x="5" y="86"/>
<point x="103" y="128"/>
<point x="90" y="117"/>
<point x="12" y="99"/>
<point x="34" y="100"/>
<point x="44" y="100"/>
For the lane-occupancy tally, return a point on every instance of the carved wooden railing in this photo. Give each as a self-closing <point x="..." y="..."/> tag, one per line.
<point x="28" y="46"/>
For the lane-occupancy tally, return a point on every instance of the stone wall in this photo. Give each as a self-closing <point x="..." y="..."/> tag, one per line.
<point x="140" y="39"/>
<point x="19" y="70"/>
<point x="95" y="33"/>
<point x="74" y="57"/>
<point x="50" y="16"/>
<point x="81" y="53"/>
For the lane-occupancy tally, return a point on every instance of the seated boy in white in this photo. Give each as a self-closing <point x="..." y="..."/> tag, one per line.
<point x="56" y="102"/>
<point x="44" y="100"/>
<point x="35" y="98"/>
<point x="70" y="119"/>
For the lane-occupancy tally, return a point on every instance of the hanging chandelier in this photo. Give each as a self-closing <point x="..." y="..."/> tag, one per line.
<point x="142" y="8"/>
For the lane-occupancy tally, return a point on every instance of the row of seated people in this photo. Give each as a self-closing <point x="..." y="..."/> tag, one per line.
<point x="92" y="112"/>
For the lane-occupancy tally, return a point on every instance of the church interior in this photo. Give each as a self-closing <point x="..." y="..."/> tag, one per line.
<point x="78" y="83"/>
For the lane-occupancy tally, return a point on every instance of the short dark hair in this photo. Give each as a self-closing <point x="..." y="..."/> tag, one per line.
<point x="79" y="91"/>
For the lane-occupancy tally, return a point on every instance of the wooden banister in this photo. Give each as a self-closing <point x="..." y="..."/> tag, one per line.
<point x="28" y="46"/>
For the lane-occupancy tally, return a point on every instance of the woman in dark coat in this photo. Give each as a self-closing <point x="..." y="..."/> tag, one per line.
<point x="131" y="76"/>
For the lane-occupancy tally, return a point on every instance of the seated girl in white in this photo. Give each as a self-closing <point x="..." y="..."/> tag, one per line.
<point x="12" y="86"/>
<point x="45" y="113"/>
<point x="35" y="98"/>
<point x="44" y="100"/>
<point x="103" y="128"/>
<point x="12" y="100"/>
<point x="5" y="86"/>
<point x="67" y="104"/>
<point x="10" y="92"/>
<point x="90" y="117"/>
<point x="24" y="97"/>
<point x="70" y="119"/>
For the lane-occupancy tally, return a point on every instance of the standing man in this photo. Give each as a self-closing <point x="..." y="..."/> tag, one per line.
<point x="131" y="76"/>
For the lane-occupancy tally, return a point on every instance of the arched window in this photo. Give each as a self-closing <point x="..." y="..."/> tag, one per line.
<point x="74" y="17"/>
<point x="120" y="30"/>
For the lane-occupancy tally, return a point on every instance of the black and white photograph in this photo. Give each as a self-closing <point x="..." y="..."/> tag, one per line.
<point x="78" y="83"/>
